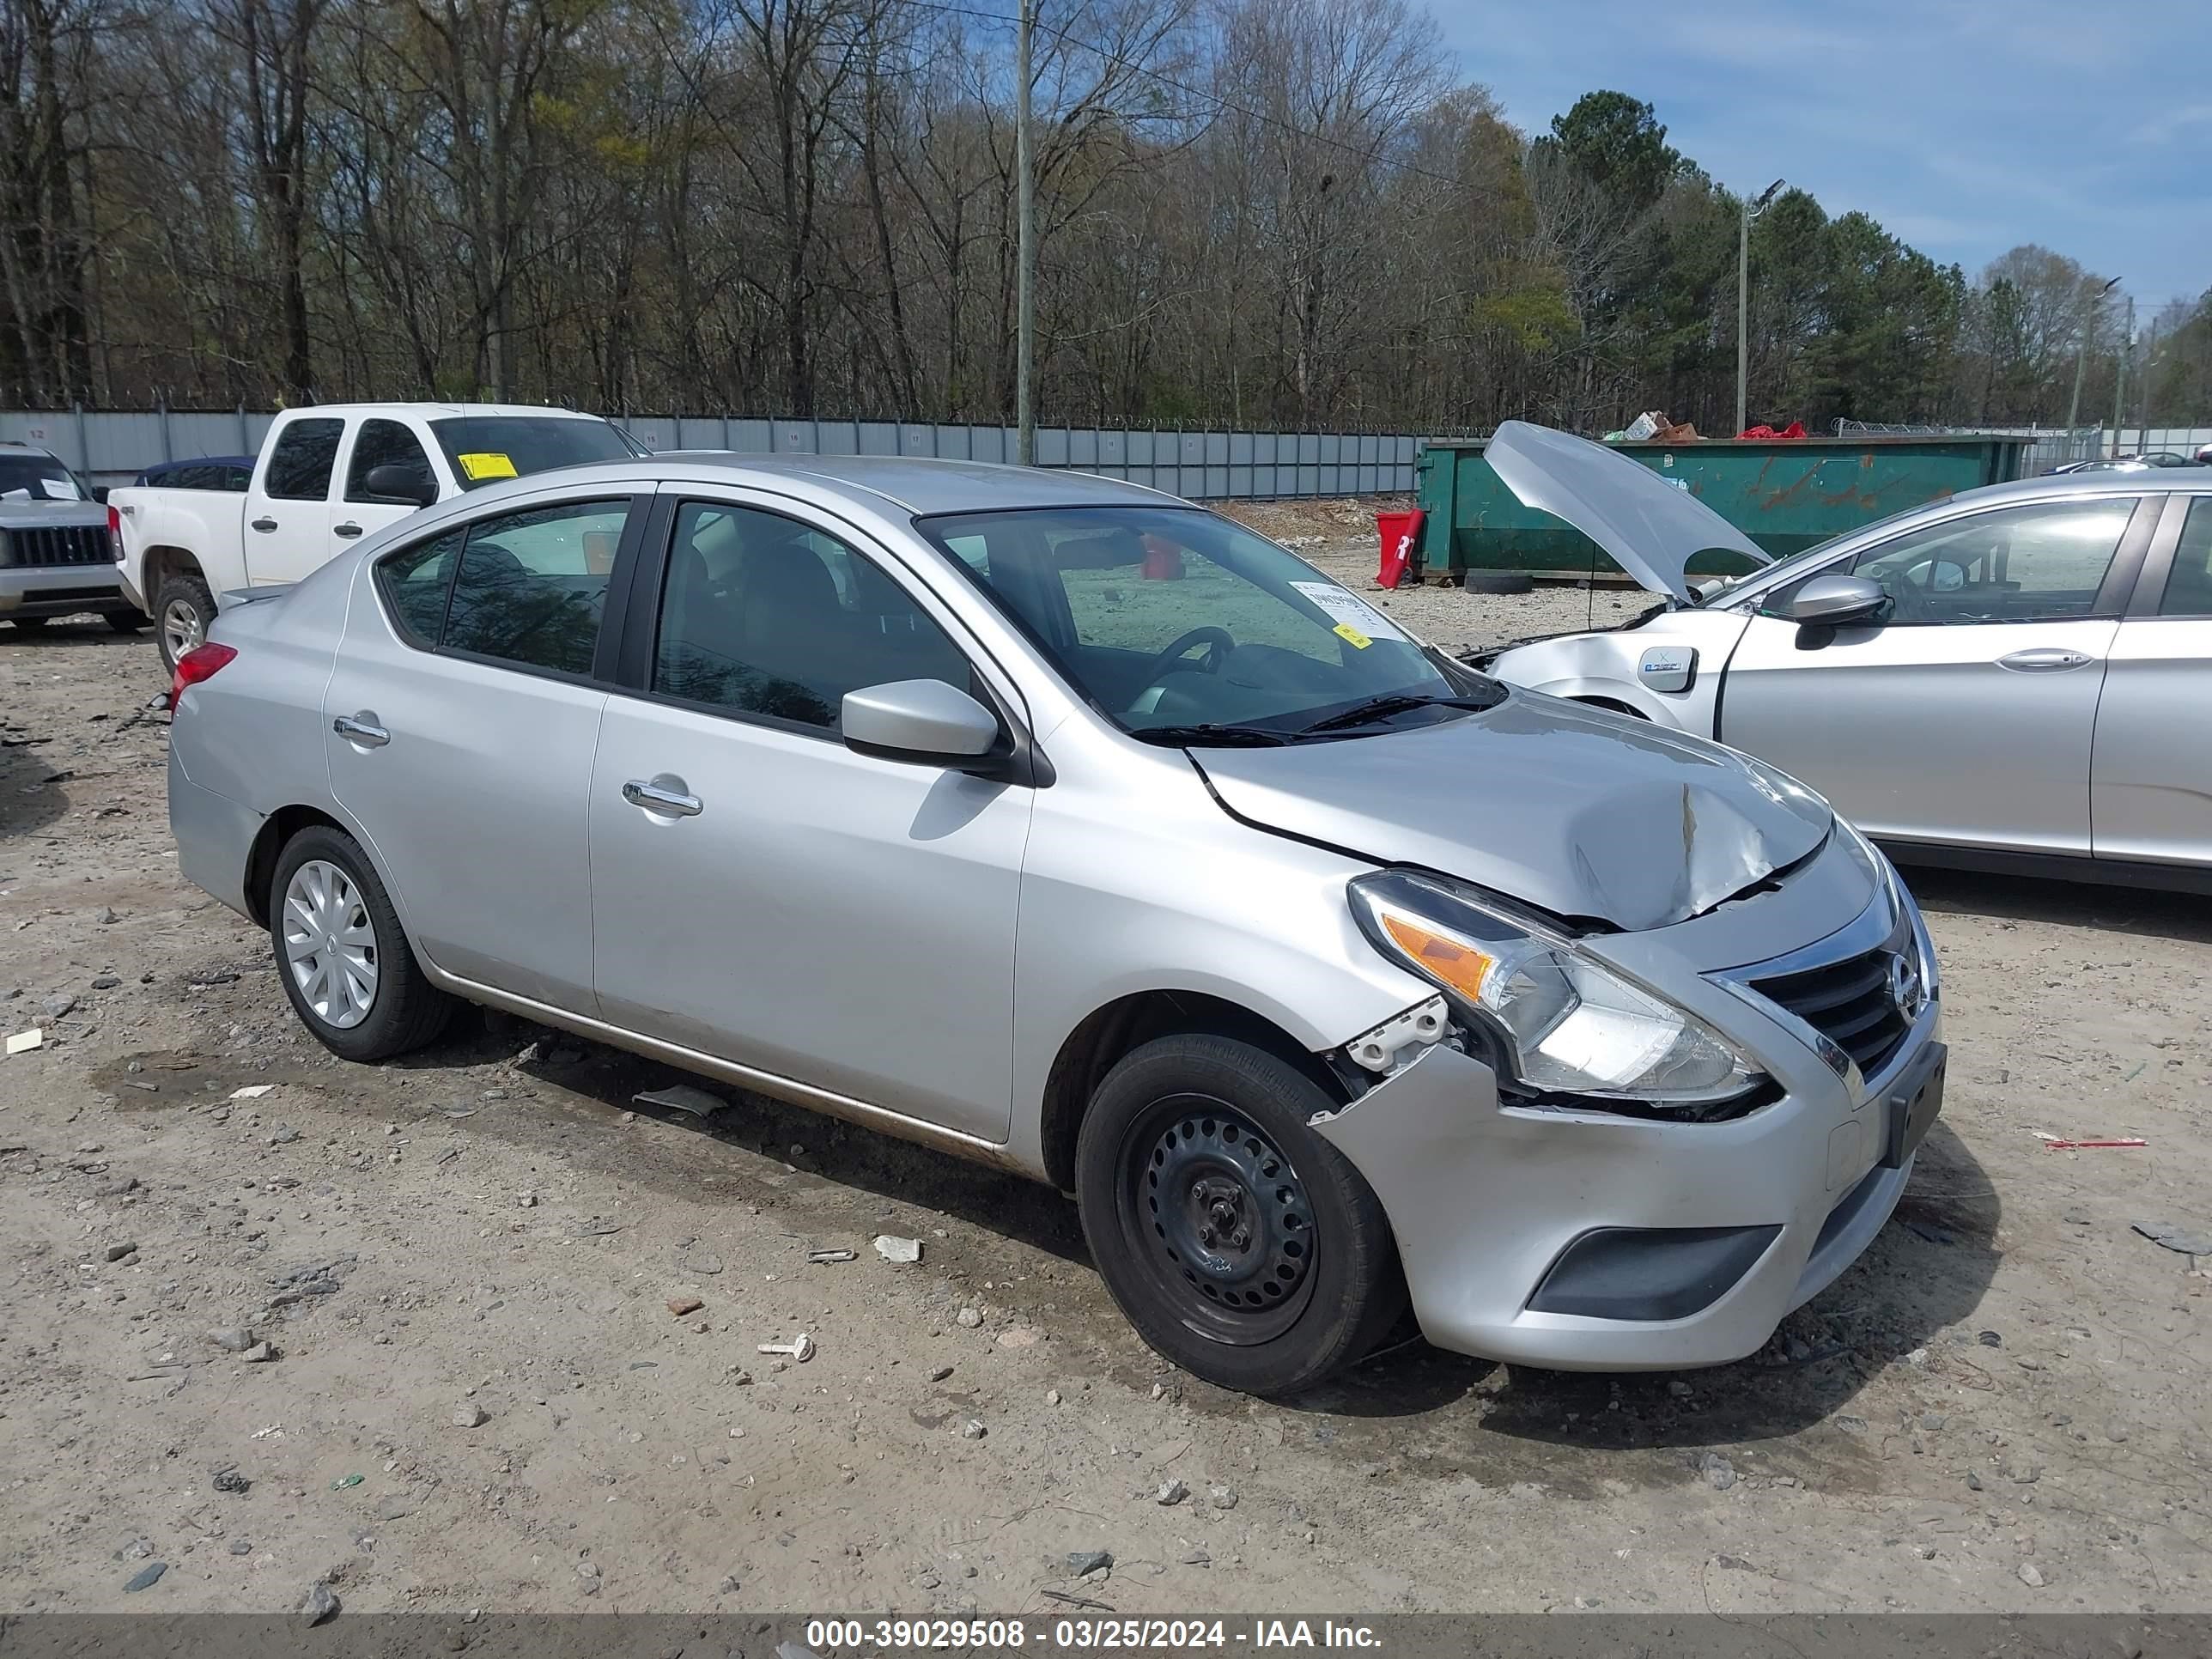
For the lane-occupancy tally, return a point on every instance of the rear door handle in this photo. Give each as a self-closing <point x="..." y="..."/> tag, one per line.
<point x="362" y="729"/>
<point x="347" y="529"/>
<point x="265" y="526"/>
<point x="2045" y="659"/>
<point x="669" y="803"/>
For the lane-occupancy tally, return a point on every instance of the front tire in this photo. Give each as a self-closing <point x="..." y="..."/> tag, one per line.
<point x="184" y="610"/>
<point x="1240" y="1244"/>
<point x="344" y="963"/>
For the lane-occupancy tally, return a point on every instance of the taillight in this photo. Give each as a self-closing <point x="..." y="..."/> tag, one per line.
<point x="199" y="663"/>
<point x="115" y="532"/>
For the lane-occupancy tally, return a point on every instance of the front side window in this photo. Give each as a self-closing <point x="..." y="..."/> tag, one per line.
<point x="2030" y="564"/>
<point x="300" y="466"/>
<point x="385" y="443"/>
<point x="527" y="588"/>
<point x="762" y="614"/>
<point x="484" y="449"/>
<point x="1176" y="618"/>
<point x="2189" y="585"/>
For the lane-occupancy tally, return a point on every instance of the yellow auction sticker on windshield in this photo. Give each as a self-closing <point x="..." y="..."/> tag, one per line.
<point x="480" y="465"/>
<point x="1346" y="631"/>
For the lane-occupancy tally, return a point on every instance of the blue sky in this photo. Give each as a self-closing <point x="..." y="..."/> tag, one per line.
<point x="1966" y="126"/>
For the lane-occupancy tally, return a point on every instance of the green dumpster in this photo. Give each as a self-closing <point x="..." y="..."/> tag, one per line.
<point x="1786" y="494"/>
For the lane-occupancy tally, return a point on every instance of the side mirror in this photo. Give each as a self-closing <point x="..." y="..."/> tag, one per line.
<point x="927" y="722"/>
<point x="1838" y="602"/>
<point x="400" y="482"/>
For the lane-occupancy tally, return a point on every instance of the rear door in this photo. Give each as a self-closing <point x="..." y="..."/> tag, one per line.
<point x="1967" y="716"/>
<point x="288" y="506"/>
<point x="377" y="442"/>
<point x="2150" y="780"/>
<point x="459" y="725"/>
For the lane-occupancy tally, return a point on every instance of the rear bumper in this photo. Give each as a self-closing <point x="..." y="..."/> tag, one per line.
<point x="214" y="837"/>
<point x="1487" y="1203"/>
<point x="59" y="590"/>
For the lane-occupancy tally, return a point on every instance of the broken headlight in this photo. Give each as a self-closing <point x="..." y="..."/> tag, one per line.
<point x="1566" y="1024"/>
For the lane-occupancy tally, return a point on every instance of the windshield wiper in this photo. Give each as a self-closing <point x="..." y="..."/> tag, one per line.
<point x="1378" y="709"/>
<point x="1210" y="736"/>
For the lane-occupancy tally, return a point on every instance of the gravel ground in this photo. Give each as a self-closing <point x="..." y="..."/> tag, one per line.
<point x="408" y="1331"/>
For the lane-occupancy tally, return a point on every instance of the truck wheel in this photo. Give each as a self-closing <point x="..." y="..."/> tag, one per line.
<point x="1241" y="1245"/>
<point x="183" y="608"/>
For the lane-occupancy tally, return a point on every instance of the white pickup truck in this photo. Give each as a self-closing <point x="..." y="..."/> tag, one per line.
<point x="325" y="476"/>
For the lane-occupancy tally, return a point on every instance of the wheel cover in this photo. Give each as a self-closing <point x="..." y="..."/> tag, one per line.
<point x="330" y="945"/>
<point x="1218" y="1219"/>
<point x="182" y="627"/>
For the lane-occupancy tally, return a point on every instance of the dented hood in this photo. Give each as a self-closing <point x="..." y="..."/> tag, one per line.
<point x="1651" y="529"/>
<point x="1579" y="812"/>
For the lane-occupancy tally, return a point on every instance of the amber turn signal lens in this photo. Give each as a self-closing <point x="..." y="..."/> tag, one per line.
<point x="1460" y="966"/>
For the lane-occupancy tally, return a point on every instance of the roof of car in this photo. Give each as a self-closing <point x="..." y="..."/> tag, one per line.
<point x="2109" y="481"/>
<point x="918" y="486"/>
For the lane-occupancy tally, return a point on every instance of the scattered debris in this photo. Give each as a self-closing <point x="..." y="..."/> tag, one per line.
<point x="120" y="1248"/>
<point x="2032" y="1576"/>
<point x="260" y="1354"/>
<point x="55" y="1006"/>
<point x="693" y="1260"/>
<point x="1223" y="1497"/>
<point x="252" y="1091"/>
<point x="345" y="1481"/>
<point x="232" y="1339"/>
<point x="2185" y="1240"/>
<point x="1719" y="1472"/>
<point x="682" y="1098"/>
<point x="320" y="1605"/>
<point x="105" y="982"/>
<point x="969" y="1318"/>
<point x="680" y="1305"/>
<point x="230" y="1480"/>
<point x="1170" y="1493"/>
<point x="972" y="1429"/>
<point x="2056" y="1144"/>
<point x="23" y="1041"/>
<point x="824" y="1257"/>
<point x="892" y="1248"/>
<point x="147" y="1575"/>
<point x="940" y="1373"/>
<point x="592" y="1227"/>
<point x="800" y="1347"/>
<point x="1081" y="1564"/>
<point x="1989" y="1338"/>
<point x="1196" y="1558"/>
<point x="470" y="1417"/>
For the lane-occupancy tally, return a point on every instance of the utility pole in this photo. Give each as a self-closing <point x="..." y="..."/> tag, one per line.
<point x="1751" y="211"/>
<point x="2081" y="353"/>
<point x="2124" y="361"/>
<point x="1025" y="251"/>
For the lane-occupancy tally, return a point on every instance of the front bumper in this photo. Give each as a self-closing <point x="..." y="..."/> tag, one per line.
<point x="59" y="589"/>
<point x="1487" y="1201"/>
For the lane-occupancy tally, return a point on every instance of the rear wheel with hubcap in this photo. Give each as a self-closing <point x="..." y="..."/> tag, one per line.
<point x="1240" y="1244"/>
<point x="346" y="966"/>
<point x="183" y="609"/>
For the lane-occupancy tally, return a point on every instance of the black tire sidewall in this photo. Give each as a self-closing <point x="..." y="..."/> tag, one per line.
<point x="1357" y="1289"/>
<point x="1498" y="581"/>
<point x="179" y="585"/>
<point x="389" y="1028"/>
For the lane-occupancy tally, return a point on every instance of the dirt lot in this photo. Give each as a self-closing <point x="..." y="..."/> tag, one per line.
<point x="475" y="1394"/>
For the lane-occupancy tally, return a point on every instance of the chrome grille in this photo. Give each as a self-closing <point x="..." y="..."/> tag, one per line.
<point x="44" y="546"/>
<point x="1854" y="1001"/>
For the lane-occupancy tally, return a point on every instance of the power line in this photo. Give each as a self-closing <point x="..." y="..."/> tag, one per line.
<point x="1374" y="155"/>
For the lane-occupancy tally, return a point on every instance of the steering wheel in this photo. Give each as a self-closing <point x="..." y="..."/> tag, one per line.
<point x="1218" y="641"/>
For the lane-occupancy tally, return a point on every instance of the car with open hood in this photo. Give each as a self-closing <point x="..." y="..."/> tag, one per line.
<point x="2012" y="678"/>
<point x="1060" y="825"/>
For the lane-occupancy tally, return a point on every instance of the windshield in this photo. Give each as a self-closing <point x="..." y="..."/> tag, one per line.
<point x="484" y="448"/>
<point x="36" y="478"/>
<point x="1176" y="622"/>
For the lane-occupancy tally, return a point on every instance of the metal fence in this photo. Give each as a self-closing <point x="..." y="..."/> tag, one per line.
<point x="110" y="446"/>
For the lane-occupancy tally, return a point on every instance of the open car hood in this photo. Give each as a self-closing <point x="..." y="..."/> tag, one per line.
<point x="1651" y="529"/>
<point x="1579" y="813"/>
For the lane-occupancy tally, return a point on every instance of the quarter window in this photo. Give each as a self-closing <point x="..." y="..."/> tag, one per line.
<point x="385" y="443"/>
<point x="300" y="466"/>
<point x="2029" y="563"/>
<point x="527" y="588"/>
<point x="2189" y="587"/>
<point x="761" y="615"/>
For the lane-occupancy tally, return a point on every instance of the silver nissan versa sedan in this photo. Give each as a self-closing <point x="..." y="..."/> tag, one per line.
<point x="1061" y="824"/>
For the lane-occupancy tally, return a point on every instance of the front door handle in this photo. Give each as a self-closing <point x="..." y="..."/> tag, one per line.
<point x="2045" y="659"/>
<point x="664" y="796"/>
<point x="348" y="529"/>
<point x="265" y="526"/>
<point x="363" y="729"/>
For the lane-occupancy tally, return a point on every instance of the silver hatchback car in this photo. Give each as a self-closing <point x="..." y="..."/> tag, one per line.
<point x="1059" y="824"/>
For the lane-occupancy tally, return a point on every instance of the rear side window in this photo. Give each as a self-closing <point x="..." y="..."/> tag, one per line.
<point x="527" y="588"/>
<point x="300" y="467"/>
<point x="2189" y="587"/>
<point x="385" y="443"/>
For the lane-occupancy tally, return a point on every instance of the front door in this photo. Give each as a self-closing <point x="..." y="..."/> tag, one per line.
<point x="459" y="724"/>
<point x="2150" y="784"/>
<point x="765" y="895"/>
<point x="1966" y="715"/>
<point x="288" y="508"/>
<point x="361" y="511"/>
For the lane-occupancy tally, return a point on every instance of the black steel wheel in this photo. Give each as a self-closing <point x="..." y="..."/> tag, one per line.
<point x="1240" y="1245"/>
